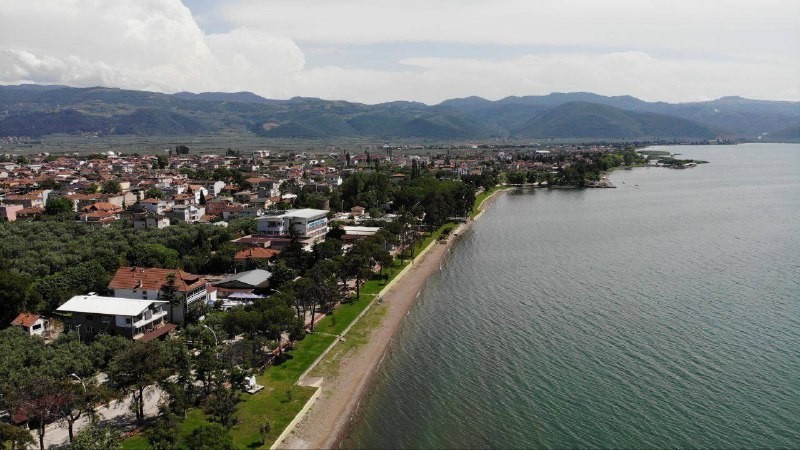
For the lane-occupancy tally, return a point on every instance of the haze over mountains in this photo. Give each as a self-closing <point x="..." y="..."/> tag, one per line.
<point x="32" y="110"/>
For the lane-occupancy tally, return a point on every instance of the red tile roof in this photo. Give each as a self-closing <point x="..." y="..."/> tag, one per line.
<point x="26" y="319"/>
<point x="101" y="206"/>
<point x="152" y="279"/>
<point x="256" y="253"/>
<point x="158" y="332"/>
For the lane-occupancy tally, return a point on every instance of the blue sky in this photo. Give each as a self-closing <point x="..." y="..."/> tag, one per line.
<point x="381" y="50"/>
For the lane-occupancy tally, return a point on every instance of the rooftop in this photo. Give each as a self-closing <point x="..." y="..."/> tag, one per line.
<point x="95" y="304"/>
<point x="26" y="319"/>
<point x="254" y="278"/>
<point x="153" y="279"/>
<point x="305" y="213"/>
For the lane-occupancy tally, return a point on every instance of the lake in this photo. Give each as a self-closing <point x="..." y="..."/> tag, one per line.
<point x="663" y="313"/>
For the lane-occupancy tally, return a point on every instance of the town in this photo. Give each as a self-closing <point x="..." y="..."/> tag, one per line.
<point x="174" y="298"/>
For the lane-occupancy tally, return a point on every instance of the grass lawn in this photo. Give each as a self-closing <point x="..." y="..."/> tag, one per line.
<point x="480" y="198"/>
<point x="194" y="419"/>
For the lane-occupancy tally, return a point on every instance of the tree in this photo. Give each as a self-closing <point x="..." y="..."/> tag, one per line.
<point x="181" y="150"/>
<point x="112" y="187"/>
<point x="76" y="402"/>
<point x="222" y="403"/>
<point x="96" y="437"/>
<point x="15" y="292"/>
<point x="154" y="255"/>
<point x="163" y="434"/>
<point x="136" y="368"/>
<point x="55" y="206"/>
<point x="41" y="399"/>
<point x="104" y="347"/>
<point x="169" y="292"/>
<point x="210" y="437"/>
<point x="329" y="248"/>
<point x="154" y="193"/>
<point x="356" y="265"/>
<point x="202" y="197"/>
<point x="18" y="438"/>
<point x="161" y="162"/>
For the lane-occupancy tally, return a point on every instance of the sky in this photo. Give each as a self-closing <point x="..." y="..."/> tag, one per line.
<point x="374" y="51"/>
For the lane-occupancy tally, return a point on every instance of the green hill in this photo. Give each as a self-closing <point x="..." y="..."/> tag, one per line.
<point x="31" y="110"/>
<point x="591" y="120"/>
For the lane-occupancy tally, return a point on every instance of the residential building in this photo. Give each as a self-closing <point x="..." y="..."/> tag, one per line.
<point x="9" y="212"/>
<point x="132" y="318"/>
<point x="147" y="221"/>
<point x="311" y="225"/>
<point x="187" y="213"/>
<point x="32" y="324"/>
<point x="157" y="206"/>
<point x="147" y="283"/>
<point x="253" y="254"/>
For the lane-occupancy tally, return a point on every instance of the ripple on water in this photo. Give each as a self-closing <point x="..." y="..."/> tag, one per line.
<point x="665" y="316"/>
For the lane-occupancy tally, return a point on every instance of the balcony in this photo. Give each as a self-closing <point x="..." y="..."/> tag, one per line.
<point x="149" y="318"/>
<point x="192" y="297"/>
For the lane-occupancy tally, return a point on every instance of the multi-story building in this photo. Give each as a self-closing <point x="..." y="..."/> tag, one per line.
<point x="147" y="283"/>
<point x="311" y="225"/>
<point x="147" y="221"/>
<point x="187" y="213"/>
<point x="133" y="318"/>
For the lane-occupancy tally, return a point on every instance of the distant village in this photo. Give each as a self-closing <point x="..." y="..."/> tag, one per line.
<point x="154" y="191"/>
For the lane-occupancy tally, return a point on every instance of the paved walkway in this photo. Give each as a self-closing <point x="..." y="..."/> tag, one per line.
<point x="117" y="412"/>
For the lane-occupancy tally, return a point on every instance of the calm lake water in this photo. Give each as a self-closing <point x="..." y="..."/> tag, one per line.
<point x="664" y="313"/>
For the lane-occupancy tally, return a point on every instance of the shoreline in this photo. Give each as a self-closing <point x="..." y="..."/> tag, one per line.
<point x="345" y="374"/>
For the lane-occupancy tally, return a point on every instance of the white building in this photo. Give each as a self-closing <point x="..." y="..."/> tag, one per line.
<point x="187" y="213"/>
<point x="31" y="324"/>
<point x="129" y="317"/>
<point x="310" y="224"/>
<point x="157" y="206"/>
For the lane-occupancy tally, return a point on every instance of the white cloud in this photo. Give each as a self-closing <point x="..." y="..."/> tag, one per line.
<point x="728" y="26"/>
<point x="625" y="73"/>
<point x="151" y="44"/>
<point x="654" y="49"/>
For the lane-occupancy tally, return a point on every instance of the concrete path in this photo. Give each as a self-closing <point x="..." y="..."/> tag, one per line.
<point x="117" y="413"/>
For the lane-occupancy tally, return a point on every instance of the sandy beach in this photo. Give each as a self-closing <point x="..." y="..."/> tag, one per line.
<point x="345" y="373"/>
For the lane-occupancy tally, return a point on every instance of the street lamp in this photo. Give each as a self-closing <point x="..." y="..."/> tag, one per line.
<point x="79" y="379"/>
<point x="216" y="342"/>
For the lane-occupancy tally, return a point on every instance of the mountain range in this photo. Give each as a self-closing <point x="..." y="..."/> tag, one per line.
<point x="35" y="110"/>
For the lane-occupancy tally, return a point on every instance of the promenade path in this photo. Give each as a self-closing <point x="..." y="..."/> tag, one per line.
<point x="117" y="412"/>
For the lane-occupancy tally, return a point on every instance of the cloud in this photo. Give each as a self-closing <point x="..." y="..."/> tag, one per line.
<point x="619" y="73"/>
<point x="728" y="26"/>
<point x="142" y="44"/>
<point x="652" y="49"/>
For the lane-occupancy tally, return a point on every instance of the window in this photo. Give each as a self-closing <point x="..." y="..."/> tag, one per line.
<point x="89" y="317"/>
<point x="127" y="320"/>
<point x="105" y="319"/>
<point x="38" y="326"/>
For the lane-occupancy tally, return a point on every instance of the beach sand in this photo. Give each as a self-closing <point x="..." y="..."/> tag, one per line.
<point x="345" y="373"/>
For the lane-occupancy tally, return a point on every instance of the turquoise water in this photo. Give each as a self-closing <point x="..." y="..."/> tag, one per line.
<point x="664" y="313"/>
